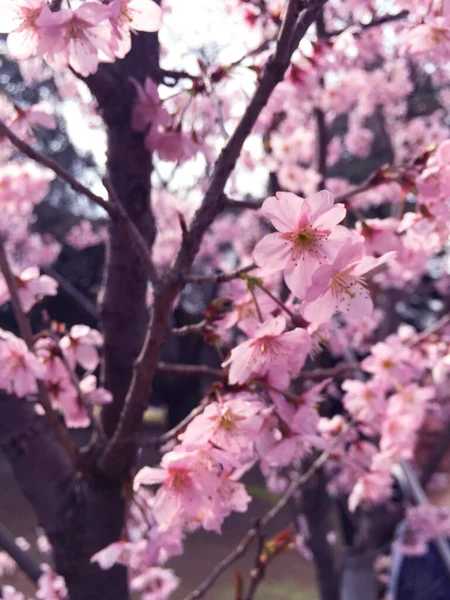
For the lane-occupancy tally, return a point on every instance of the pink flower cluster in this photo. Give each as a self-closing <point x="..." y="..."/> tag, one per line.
<point x="54" y="363"/>
<point x="74" y="38"/>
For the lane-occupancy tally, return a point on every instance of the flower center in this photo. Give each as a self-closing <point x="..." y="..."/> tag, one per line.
<point x="227" y="422"/>
<point x="305" y="238"/>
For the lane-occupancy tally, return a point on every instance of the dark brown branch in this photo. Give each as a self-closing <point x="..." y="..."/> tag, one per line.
<point x="321" y="145"/>
<point x="436" y="455"/>
<point x="57" y="169"/>
<point x="375" y="22"/>
<point x="189" y="329"/>
<point x="205" y="371"/>
<point x="25" y="329"/>
<point x="242" y="204"/>
<point x="218" y="277"/>
<point x="434" y="328"/>
<point x="319" y="115"/>
<point x="195" y="370"/>
<point x="291" y="32"/>
<point x="24" y="561"/>
<point x="80" y="298"/>
<point x="241" y="548"/>
<point x="114" y="208"/>
<point x="170" y="435"/>
<point x="259" y="570"/>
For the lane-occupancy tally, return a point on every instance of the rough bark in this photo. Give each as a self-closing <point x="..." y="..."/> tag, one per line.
<point x="123" y="313"/>
<point x="316" y="506"/>
<point x="79" y="517"/>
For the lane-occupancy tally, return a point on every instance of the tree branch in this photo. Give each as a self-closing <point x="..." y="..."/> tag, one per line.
<point x="241" y="548"/>
<point x="168" y="436"/>
<point x="25" y="562"/>
<point x="218" y="277"/>
<point x="196" y="370"/>
<point x="213" y="203"/>
<point x="25" y="329"/>
<point x="189" y="329"/>
<point x="114" y="208"/>
<point x="205" y="371"/>
<point x="375" y="22"/>
<point x="80" y="298"/>
<point x="60" y="171"/>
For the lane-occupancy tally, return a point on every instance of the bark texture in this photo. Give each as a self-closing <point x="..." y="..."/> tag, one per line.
<point x="123" y="313"/>
<point x="316" y="507"/>
<point x="78" y="516"/>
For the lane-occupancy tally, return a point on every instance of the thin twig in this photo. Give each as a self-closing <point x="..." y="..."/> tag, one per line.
<point x="197" y="370"/>
<point x="25" y="329"/>
<point x="25" y="562"/>
<point x="259" y="569"/>
<point x="291" y="32"/>
<point x="114" y="208"/>
<point x="241" y="548"/>
<point x="189" y="329"/>
<point x="242" y="204"/>
<point x="203" y="370"/>
<point x="170" y="435"/>
<point x="277" y="301"/>
<point x="442" y="322"/>
<point x="80" y="298"/>
<point x="218" y="277"/>
<point x="51" y="164"/>
<point x="375" y="22"/>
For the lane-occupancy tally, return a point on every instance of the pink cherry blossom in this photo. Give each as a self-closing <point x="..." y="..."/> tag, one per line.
<point x="270" y="353"/>
<point x="73" y="38"/>
<point x="30" y="287"/>
<point x="187" y="486"/>
<point x="94" y="394"/>
<point x="19" y="368"/>
<point x="132" y="15"/>
<point x="231" y="425"/>
<point x="51" y="586"/>
<point x="18" y="19"/>
<point x="80" y="346"/>
<point x="156" y="583"/>
<point x="10" y="593"/>
<point x="340" y="287"/>
<point x="422" y="524"/>
<point x="147" y="106"/>
<point x="308" y="236"/>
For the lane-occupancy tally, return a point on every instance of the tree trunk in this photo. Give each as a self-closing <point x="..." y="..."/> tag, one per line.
<point x="315" y="506"/>
<point x="78" y="517"/>
<point x="124" y="314"/>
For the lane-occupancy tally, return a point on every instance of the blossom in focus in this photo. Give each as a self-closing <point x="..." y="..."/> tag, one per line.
<point x="340" y="287"/>
<point x="308" y="236"/>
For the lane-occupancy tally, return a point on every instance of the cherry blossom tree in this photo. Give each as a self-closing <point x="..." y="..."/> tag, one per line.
<point x="291" y="184"/>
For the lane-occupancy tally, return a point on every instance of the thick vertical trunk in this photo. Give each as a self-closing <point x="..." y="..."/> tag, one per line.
<point x="124" y="314"/>
<point x="79" y="518"/>
<point x="83" y="514"/>
<point x="316" y="507"/>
